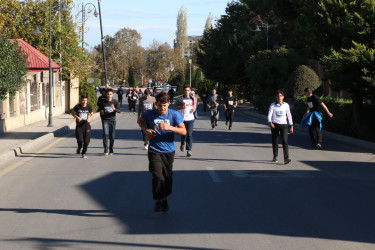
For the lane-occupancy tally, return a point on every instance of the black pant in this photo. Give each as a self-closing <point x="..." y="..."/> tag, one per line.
<point x="315" y="131"/>
<point x="83" y="135"/>
<point x="229" y="116"/>
<point x="160" y="166"/>
<point x="133" y="105"/>
<point x="281" y="129"/>
<point x="204" y="106"/>
<point x="120" y="101"/>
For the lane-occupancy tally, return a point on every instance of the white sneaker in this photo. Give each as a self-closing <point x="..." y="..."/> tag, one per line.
<point x="84" y="156"/>
<point x="188" y="154"/>
<point x="146" y="146"/>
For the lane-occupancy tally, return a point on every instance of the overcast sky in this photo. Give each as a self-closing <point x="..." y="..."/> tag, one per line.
<point x="153" y="19"/>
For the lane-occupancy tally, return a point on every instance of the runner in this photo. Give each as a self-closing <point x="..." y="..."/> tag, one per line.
<point x="134" y="100"/>
<point x="120" y="93"/>
<point x="129" y="97"/>
<point x="277" y="118"/>
<point x="102" y="98"/>
<point x="108" y="110"/>
<point x="230" y="104"/>
<point x="204" y="100"/>
<point x="160" y="125"/>
<point x="145" y="103"/>
<point x="213" y="102"/>
<point x="186" y="106"/>
<point x="171" y="94"/>
<point x="313" y="118"/>
<point x="83" y="114"/>
<point x="192" y="94"/>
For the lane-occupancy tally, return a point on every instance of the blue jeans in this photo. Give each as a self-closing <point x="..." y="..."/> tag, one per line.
<point x="109" y="130"/>
<point x="189" y="135"/>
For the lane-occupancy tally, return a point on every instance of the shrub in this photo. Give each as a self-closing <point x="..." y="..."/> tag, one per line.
<point x="303" y="77"/>
<point x="88" y="89"/>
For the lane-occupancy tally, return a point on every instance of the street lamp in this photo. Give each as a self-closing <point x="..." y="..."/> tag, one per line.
<point x="258" y="30"/>
<point x="190" y="71"/>
<point x="83" y="19"/>
<point x="62" y="9"/>
<point x="102" y="40"/>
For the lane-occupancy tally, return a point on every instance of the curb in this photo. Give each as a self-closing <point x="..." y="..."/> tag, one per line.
<point x="38" y="142"/>
<point x="341" y="138"/>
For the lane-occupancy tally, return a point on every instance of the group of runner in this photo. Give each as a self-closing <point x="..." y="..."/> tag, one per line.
<point x="158" y="124"/>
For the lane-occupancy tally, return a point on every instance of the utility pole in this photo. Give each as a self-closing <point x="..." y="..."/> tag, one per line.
<point x="102" y="39"/>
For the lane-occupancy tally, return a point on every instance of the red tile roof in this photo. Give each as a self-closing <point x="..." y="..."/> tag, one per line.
<point x="36" y="60"/>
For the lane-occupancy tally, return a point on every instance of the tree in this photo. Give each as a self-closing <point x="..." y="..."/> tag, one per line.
<point x="208" y="25"/>
<point x="131" y="79"/>
<point x="353" y="70"/>
<point x="19" y="19"/>
<point x="13" y="68"/>
<point x="303" y="77"/>
<point x="182" y="40"/>
<point x="270" y="70"/>
<point x="88" y="89"/>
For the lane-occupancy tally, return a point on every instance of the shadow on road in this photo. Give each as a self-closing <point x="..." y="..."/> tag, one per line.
<point x="315" y="204"/>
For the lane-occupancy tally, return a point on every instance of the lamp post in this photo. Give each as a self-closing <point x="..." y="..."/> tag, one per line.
<point x="62" y="9"/>
<point x="83" y="19"/>
<point x="103" y="48"/>
<point x="190" y="71"/>
<point x="258" y="30"/>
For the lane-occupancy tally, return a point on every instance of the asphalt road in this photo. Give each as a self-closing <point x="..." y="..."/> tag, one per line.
<point x="228" y="195"/>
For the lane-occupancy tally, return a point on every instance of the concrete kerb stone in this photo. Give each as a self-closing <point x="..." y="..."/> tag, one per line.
<point x="341" y="138"/>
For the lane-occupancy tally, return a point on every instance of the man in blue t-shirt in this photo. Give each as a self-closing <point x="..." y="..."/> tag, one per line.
<point x="160" y="125"/>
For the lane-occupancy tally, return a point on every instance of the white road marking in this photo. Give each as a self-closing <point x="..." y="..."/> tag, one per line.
<point x="213" y="174"/>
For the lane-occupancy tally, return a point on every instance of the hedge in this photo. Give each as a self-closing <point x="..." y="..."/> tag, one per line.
<point x="342" y="121"/>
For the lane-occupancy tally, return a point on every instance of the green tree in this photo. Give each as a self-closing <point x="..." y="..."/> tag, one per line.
<point x="353" y="70"/>
<point x="131" y="79"/>
<point x="303" y="77"/>
<point x="86" y="88"/>
<point x="13" y="68"/>
<point x="270" y="70"/>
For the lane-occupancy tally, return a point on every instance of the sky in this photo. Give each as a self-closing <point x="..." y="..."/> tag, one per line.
<point x="153" y="19"/>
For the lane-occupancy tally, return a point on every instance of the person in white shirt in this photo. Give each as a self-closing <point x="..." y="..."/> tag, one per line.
<point x="278" y="118"/>
<point x="186" y="106"/>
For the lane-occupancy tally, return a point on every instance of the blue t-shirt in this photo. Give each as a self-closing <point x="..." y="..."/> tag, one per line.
<point x="163" y="142"/>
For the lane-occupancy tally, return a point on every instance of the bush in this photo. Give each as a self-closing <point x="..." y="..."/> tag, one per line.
<point x="88" y="89"/>
<point x="303" y="77"/>
<point x="342" y="121"/>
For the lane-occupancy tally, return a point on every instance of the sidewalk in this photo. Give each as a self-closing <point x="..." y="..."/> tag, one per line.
<point x="368" y="146"/>
<point x="33" y="136"/>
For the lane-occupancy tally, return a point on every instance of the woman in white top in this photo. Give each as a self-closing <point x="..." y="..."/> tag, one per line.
<point x="278" y="117"/>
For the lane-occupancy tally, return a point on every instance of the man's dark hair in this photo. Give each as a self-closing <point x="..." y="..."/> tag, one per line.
<point x="84" y="96"/>
<point x="214" y="89"/>
<point x="279" y="91"/>
<point x="186" y="86"/>
<point x="308" y="90"/>
<point x="109" y="90"/>
<point x="147" y="92"/>
<point x="230" y="90"/>
<point x="162" y="97"/>
<point x="103" y="89"/>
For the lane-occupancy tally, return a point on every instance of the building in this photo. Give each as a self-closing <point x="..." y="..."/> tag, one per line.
<point x="30" y="104"/>
<point x="188" y="50"/>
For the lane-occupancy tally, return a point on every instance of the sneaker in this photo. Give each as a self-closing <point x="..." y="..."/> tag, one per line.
<point x="158" y="207"/>
<point x="188" y="153"/>
<point x="226" y="123"/>
<point x="110" y="150"/>
<point x="164" y="206"/>
<point x="319" y="146"/>
<point x="287" y="161"/>
<point x="146" y="146"/>
<point x="84" y="156"/>
<point x="78" y="151"/>
<point x="182" y="147"/>
<point x="106" y="151"/>
<point x="230" y="128"/>
<point x="274" y="159"/>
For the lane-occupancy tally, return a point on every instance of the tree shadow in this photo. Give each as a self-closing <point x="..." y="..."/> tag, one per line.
<point x="322" y="203"/>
